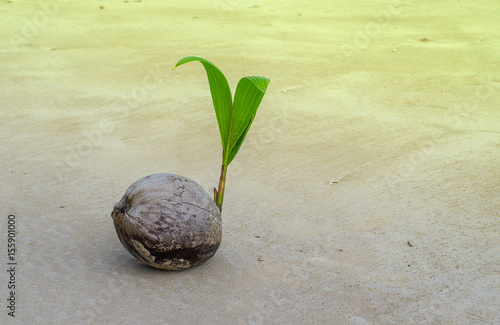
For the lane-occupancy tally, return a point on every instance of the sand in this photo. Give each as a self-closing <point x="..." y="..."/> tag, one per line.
<point x="366" y="192"/>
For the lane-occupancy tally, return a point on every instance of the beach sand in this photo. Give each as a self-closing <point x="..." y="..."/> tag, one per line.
<point x="366" y="192"/>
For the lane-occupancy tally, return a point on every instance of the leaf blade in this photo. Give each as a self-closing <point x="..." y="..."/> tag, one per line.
<point x="221" y="95"/>
<point x="247" y="98"/>
<point x="238" y="144"/>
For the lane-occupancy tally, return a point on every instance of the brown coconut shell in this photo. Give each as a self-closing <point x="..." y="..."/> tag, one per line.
<point x="168" y="221"/>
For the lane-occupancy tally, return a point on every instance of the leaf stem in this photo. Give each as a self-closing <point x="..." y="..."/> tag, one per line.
<point x="219" y="194"/>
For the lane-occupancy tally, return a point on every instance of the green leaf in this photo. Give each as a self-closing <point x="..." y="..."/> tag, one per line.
<point x="234" y="119"/>
<point x="221" y="95"/>
<point x="247" y="98"/>
<point x="237" y="145"/>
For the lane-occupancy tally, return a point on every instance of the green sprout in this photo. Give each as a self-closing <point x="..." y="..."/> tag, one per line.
<point x="233" y="117"/>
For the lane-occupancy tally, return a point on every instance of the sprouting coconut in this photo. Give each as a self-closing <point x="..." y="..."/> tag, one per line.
<point x="169" y="221"/>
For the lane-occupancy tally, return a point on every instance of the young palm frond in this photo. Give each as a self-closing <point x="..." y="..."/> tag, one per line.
<point x="234" y="118"/>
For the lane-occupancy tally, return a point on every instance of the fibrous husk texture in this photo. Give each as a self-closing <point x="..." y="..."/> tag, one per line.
<point x="168" y="221"/>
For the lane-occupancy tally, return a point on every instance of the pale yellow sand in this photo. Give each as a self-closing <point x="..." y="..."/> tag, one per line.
<point x="367" y="191"/>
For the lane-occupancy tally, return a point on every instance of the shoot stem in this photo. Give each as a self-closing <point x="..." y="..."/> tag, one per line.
<point x="219" y="194"/>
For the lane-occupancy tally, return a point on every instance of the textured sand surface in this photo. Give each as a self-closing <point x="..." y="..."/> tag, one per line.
<point x="366" y="192"/>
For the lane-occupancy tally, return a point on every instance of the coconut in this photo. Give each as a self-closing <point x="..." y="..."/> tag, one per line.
<point x="168" y="221"/>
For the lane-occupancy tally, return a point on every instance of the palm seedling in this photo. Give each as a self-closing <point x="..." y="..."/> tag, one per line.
<point x="169" y="221"/>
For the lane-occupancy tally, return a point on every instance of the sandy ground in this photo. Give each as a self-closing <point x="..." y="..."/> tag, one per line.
<point x="367" y="191"/>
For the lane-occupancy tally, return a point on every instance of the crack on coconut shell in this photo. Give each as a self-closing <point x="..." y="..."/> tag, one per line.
<point x="172" y="264"/>
<point x="175" y="264"/>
